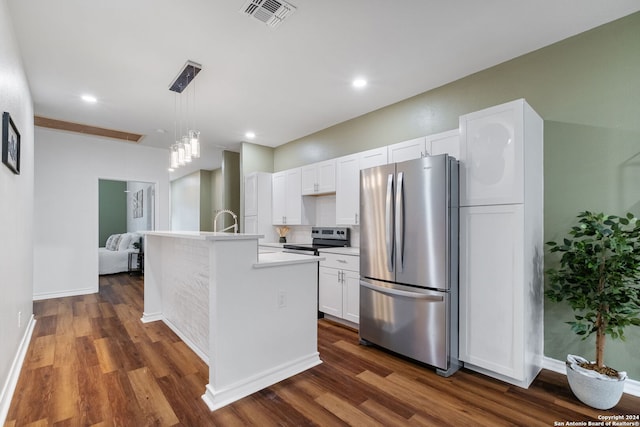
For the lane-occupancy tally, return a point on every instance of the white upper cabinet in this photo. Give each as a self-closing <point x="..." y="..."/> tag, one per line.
<point x="348" y="183"/>
<point x="319" y="178"/>
<point x="492" y="152"/>
<point x="288" y="206"/>
<point x="407" y="150"/>
<point x="372" y="158"/>
<point x="444" y="143"/>
<point x="279" y="197"/>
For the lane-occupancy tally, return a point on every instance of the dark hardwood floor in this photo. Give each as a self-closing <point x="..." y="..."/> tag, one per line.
<point x="92" y="362"/>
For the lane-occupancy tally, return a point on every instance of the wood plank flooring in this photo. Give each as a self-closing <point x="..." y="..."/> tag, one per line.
<point x="92" y="362"/>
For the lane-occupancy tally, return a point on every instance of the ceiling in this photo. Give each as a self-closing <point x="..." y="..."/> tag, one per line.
<point x="281" y="83"/>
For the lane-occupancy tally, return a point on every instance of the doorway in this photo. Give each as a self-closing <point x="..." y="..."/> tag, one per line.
<point x="125" y="209"/>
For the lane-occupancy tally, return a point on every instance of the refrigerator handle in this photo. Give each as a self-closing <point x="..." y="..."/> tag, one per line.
<point x="389" y="222"/>
<point x="398" y="292"/>
<point x="400" y="221"/>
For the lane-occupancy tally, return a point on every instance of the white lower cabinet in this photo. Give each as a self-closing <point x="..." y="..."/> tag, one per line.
<point x="500" y="293"/>
<point x="339" y="286"/>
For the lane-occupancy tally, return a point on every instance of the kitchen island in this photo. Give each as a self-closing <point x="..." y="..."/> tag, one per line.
<point x="251" y="317"/>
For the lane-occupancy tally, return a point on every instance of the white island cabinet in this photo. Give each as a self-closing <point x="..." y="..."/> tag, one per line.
<point x="250" y="316"/>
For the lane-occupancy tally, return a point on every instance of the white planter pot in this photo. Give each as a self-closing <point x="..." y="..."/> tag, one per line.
<point x="591" y="388"/>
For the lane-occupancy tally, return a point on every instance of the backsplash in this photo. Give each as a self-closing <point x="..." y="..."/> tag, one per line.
<point x="325" y="217"/>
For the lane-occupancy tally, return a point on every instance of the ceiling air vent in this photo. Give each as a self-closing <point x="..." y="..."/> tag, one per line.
<point x="271" y="12"/>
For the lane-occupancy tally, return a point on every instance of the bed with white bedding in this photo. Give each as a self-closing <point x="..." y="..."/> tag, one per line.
<point x="114" y="257"/>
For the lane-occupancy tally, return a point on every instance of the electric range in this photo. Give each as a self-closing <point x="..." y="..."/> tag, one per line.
<point x="322" y="237"/>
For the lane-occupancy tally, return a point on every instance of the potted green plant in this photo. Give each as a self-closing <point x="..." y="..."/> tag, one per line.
<point x="598" y="277"/>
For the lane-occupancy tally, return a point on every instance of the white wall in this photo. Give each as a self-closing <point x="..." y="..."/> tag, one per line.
<point x="16" y="214"/>
<point x="185" y="203"/>
<point x="148" y="199"/>
<point x="67" y="169"/>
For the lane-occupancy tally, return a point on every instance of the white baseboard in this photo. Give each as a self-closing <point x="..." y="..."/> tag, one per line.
<point x="63" y="294"/>
<point x="197" y="350"/>
<point x="631" y="387"/>
<point x="9" y="386"/>
<point x="154" y="317"/>
<point x="216" y="399"/>
<point x="151" y="317"/>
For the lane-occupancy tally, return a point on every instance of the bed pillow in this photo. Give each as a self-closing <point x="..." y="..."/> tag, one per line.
<point x="112" y="242"/>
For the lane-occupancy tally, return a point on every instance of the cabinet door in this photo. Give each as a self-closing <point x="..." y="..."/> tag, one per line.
<point x="251" y="195"/>
<point x="372" y="158"/>
<point x="492" y="167"/>
<point x="309" y="176"/>
<point x="329" y="291"/>
<point x="279" y="197"/>
<point x="444" y="143"/>
<point x="407" y="150"/>
<point x="327" y="176"/>
<point x="293" y="195"/>
<point x="491" y="288"/>
<point x="347" y="189"/>
<point x="250" y="224"/>
<point x="351" y="296"/>
<point x="348" y="183"/>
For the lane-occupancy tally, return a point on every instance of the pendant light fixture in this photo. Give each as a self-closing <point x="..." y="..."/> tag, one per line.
<point x="186" y="146"/>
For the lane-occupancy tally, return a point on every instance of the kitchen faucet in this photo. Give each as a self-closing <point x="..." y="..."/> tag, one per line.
<point x="235" y="221"/>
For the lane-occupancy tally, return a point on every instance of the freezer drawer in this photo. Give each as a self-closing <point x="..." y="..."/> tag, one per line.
<point x="407" y="320"/>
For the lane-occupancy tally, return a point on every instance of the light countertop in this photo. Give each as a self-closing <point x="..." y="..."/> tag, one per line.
<point x="273" y="259"/>
<point x="272" y="245"/>
<point x="203" y="235"/>
<point x="342" y="251"/>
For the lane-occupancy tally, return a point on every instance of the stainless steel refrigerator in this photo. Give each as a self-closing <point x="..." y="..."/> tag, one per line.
<point x="409" y="260"/>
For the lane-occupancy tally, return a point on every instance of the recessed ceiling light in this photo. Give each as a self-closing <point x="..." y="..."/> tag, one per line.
<point x="90" y="99"/>
<point x="359" y="83"/>
<point x="250" y="135"/>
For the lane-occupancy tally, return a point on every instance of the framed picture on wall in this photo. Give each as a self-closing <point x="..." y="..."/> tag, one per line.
<point x="138" y="204"/>
<point x="10" y="144"/>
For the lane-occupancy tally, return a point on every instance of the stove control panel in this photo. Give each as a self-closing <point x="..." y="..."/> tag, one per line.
<point x="331" y="233"/>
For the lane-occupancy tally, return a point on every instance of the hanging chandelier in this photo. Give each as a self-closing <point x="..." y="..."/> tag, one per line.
<point x="186" y="145"/>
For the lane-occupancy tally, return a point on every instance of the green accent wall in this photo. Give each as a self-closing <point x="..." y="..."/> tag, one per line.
<point x="112" y="209"/>
<point x="587" y="90"/>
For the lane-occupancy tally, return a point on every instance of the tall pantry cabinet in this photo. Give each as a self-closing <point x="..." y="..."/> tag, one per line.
<point x="501" y="242"/>
<point x="257" y="205"/>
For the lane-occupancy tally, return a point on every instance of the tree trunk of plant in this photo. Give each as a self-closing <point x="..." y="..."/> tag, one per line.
<point x="600" y="335"/>
<point x="600" y="338"/>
